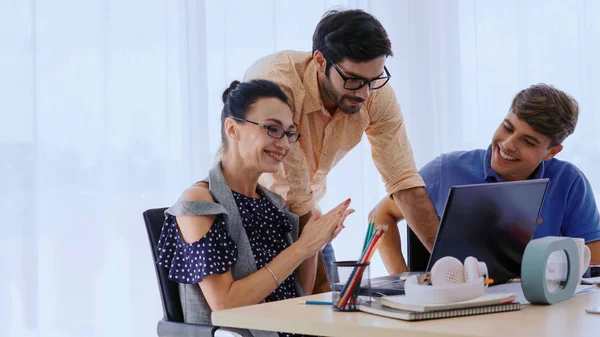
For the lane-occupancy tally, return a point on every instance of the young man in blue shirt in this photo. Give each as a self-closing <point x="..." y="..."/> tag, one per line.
<point x="523" y="147"/>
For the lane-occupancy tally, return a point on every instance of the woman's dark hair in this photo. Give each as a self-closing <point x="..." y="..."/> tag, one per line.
<point x="240" y="96"/>
<point x="352" y="34"/>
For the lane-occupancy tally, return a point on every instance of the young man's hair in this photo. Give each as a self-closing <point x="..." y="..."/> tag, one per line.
<point x="352" y="34"/>
<point x="548" y="110"/>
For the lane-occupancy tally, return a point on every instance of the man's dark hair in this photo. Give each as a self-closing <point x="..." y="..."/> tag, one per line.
<point x="352" y="34"/>
<point x="547" y="110"/>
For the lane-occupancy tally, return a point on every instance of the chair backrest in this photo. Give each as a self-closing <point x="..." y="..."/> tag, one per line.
<point x="418" y="255"/>
<point x="169" y="291"/>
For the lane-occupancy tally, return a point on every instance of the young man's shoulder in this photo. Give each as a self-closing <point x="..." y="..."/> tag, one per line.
<point x="462" y="158"/>
<point x="565" y="170"/>
<point x="456" y="165"/>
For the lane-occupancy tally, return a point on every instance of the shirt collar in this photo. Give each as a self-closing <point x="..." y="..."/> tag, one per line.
<point x="491" y="176"/>
<point x="312" y="100"/>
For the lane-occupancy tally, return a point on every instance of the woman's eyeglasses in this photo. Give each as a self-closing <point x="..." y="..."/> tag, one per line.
<point x="274" y="131"/>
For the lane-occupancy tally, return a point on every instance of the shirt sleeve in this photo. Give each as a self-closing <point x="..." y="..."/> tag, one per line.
<point x="581" y="218"/>
<point x="189" y="263"/>
<point x="292" y="181"/>
<point x="431" y="174"/>
<point x="390" y="147"/>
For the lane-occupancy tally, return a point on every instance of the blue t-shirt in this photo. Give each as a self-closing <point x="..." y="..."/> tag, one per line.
<point x="569" y="208"/>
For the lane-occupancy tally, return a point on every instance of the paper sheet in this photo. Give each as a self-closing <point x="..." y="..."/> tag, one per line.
<point x="592" y="279"/>
<point x="515" y="287"/>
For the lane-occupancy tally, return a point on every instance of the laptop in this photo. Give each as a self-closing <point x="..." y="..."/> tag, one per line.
<point x="493" y="222"/>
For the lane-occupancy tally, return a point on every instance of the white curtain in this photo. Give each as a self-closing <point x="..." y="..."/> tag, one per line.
<point x="109" y="108"/>
<point x="103" y="116"/>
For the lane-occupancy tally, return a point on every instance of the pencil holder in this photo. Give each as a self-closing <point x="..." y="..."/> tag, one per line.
<point x="354" y="287"/>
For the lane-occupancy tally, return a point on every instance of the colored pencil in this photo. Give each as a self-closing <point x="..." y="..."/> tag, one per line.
<point x="316" y="302"/>
<point x="362" y="255"/>
<point x="368" y="234"/>
<point x="353" y="283"/>
<point x="357" y="275"/>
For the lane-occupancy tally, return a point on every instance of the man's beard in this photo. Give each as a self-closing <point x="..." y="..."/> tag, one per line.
<point x="350" y="110"/>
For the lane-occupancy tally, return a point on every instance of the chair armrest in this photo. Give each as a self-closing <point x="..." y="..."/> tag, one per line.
<point x="166" y="328"/>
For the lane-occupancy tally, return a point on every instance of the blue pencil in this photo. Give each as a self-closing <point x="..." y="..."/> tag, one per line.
<point x="316" y="302"/>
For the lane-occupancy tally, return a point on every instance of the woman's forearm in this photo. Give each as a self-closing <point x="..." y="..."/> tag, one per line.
<point x="256" y="287"/>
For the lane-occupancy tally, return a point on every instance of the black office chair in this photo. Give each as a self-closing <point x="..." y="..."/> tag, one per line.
<point x="418" y="255"/>
<point x="171" y="325"/>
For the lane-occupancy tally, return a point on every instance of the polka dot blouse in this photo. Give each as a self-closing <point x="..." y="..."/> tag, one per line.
<point x="215" y="253"/>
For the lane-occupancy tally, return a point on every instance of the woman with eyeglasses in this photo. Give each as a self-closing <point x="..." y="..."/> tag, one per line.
<point x="229" y="242"/>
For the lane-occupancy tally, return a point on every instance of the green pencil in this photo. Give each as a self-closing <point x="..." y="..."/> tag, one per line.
<point x="368" y="235"/>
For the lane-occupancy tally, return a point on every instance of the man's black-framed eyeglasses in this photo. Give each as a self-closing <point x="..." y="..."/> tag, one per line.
<point x="274" y="131"/>
<point x="355" y="83"/>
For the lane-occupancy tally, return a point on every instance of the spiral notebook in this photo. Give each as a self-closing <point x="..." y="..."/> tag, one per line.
<point x="403" y="303"/>
<point x="376" y="308"/>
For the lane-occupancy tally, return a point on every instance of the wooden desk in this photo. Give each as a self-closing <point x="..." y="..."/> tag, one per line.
<point x="567" y="318"/>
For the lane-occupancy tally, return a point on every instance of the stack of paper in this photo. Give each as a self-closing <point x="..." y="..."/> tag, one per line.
<point x="403" y="303"/>
<point x="401" y="308"/>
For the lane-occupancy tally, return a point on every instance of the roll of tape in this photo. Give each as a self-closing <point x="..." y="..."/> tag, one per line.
<point x="538" y="271"/>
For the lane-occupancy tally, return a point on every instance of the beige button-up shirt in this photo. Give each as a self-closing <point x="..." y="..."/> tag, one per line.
<point x="327" y="138"/>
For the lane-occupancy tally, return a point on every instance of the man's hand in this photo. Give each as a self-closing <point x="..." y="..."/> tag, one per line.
<point x="595" y="252"/>
<point x="390" y="248"/>
<point x="416" y="206"/>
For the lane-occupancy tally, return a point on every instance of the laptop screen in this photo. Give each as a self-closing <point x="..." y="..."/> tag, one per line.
<point x="493" y="222"/>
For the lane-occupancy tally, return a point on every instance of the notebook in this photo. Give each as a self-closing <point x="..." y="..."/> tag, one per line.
<point x="376" y="308"/>
<point x="402" y="303"/>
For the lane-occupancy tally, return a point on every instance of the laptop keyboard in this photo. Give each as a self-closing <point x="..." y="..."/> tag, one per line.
<point x="397" y="284"/>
